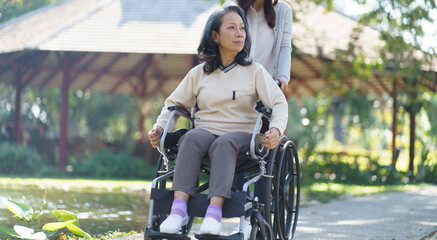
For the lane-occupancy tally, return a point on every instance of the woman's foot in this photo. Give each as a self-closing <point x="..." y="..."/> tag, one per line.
<point x="210" y="226"/>
<point x="173" y="224"/>
<point x="178" y="217"/>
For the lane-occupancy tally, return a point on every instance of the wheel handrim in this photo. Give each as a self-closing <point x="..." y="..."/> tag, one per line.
<point x="286" y="193"/>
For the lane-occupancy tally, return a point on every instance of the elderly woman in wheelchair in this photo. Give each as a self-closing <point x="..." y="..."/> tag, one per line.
<point x="224" y="91"/>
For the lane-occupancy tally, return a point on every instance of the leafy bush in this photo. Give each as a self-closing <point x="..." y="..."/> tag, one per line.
<point x="429" y="173"/>
<point x="341" y="172"/>
<point x="327" y="171"/>
<point x="386" y="174"/>
<point x="427" y="169"/>
<point x="106" y="164"/>
<point x="19" y="159"/>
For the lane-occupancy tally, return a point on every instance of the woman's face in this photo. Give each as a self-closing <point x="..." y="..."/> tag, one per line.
<point x="232" y="34"/>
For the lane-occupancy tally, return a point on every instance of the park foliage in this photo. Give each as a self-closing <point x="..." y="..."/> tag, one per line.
<point x="364" y="118"/>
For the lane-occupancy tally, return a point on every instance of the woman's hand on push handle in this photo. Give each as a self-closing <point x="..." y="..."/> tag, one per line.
<point x="284" y="85"/>
<point x="155" y="136"/>
<point x="272" y="138"/>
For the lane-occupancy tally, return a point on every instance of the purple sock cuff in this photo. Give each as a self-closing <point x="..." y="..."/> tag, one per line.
<point x="178" y="212"/>
<point x="214" y="212"/>
<point x="179" y="202"/>
<point x="215" y="208"/>
<point x="179" y="207"/>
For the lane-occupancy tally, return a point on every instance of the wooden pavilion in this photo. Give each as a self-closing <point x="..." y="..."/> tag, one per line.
<point x="145" y="47"/>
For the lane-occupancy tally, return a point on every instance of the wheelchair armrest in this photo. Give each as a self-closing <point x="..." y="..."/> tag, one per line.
<point x="181" y="111"/>
<point x="267" y="112"/>
<point x="174" y="110"/>
<point x="256" y="148"/>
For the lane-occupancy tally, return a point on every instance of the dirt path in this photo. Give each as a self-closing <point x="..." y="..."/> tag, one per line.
<point x="404" y="215"/>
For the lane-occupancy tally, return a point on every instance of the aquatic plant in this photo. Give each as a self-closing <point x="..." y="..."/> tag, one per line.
<point x="65" y="220"/>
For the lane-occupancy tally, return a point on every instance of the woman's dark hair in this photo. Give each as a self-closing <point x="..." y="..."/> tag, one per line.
<point x="269" y="12"/>
<point x="208" y="50"/>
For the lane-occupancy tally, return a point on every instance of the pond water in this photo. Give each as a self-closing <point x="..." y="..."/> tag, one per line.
<point x="98" y="212"/>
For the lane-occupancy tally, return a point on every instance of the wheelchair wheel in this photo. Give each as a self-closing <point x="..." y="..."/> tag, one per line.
<point x="274" y="156"/>
<point x="255" y="233"/>
<point x="285" y="190"/>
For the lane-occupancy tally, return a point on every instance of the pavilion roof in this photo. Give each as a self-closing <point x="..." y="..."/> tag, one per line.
<point x="123" y="45"/>
<point x="131" y="26"/>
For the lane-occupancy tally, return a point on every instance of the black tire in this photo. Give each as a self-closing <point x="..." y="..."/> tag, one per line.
<point x="287" y="194"/>
<point x="283" y="211"/>
<point x="270" y="183"/>
<point x="255" y="233"/>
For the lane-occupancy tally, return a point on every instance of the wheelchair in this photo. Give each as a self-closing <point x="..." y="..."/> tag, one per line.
<point x="276" y="219"/>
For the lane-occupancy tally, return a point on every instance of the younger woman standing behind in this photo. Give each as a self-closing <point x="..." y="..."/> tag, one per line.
<point x="270" y="28"/>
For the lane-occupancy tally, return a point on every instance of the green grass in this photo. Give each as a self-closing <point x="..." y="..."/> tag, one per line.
<point x="324" y="192"/>
<point x="75" y="184"/>
<point x="321" y="192"/>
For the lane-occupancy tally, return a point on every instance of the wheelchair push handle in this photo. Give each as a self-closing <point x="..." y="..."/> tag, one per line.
<point x="267" y="112"/>
<point x="278" y="82"/>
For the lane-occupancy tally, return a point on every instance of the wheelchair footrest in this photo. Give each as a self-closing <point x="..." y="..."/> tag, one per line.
<point x="158" y="235"/>
<point x="236" y="236"/>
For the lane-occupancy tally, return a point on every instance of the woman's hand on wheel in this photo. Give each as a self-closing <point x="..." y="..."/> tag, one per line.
<point x="155" y="136"/>
<point x="272" y="138"/>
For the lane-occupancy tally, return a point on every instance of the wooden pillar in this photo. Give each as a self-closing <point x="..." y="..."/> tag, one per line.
<point x="144" y="77"/>
<point x="142" y="97"/>
<point x="64" y="112"/>
<point x="142" y="134"/>
<point x="412" y="140"/>
<point x="18" y="91"/>
<point x="394" y="126"/>
<point x="413" y="111"/>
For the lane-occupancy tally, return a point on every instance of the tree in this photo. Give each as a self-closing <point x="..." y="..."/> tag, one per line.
<point x="400" y="23"/>
<point x="10" y="9"/>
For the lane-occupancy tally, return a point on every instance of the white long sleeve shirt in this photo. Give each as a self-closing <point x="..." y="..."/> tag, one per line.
<point x="227" y="97"/>
<point x="262" y="40"/>
<point x="282" y="40"/>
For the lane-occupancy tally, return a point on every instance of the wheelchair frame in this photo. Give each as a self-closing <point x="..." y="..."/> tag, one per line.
<point x="282" y="191"/>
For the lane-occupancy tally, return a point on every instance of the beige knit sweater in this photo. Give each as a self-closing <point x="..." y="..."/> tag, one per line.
<point x="227" y="98"/>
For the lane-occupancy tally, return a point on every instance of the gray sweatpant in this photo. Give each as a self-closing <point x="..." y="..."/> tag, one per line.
<point x="222" y="150"/>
